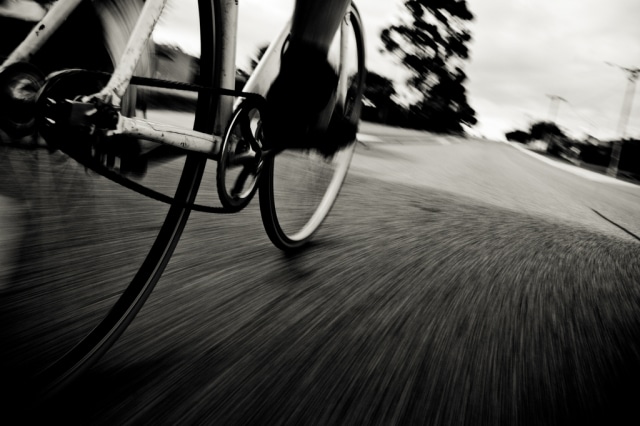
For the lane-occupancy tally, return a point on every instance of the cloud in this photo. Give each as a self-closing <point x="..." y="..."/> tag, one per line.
<point x="522" y="51"/>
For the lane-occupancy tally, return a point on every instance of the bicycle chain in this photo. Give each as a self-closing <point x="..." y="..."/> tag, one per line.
<point x="177" y="85"/>
<point x="151" y="193"/>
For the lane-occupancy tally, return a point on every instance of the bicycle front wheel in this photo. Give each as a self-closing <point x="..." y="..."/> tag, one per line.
<point x="299" y="187"/>
<point x="84" y="253"/>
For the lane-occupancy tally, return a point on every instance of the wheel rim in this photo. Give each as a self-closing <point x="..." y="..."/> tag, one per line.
<point x="293" y="204"/>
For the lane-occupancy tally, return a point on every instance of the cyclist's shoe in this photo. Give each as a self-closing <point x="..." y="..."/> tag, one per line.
<point x="340" y="133"/>
<point x="300" y="104"/>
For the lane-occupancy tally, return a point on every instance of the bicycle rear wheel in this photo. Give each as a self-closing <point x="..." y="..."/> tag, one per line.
<point x="299" y="187"/>
<point x="75" y="284"/>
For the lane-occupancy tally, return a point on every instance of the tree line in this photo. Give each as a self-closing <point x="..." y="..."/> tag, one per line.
<point x="432" y="43"/>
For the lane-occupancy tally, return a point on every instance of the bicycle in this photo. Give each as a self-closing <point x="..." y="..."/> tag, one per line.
<point x="85" y="110"/>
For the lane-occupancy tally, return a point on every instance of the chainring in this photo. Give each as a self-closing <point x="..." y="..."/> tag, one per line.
<point x="241" y="157"/>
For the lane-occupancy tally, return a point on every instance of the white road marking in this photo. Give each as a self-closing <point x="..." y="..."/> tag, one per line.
<point x="587" y="174"/>
<point x="362" y="137"/>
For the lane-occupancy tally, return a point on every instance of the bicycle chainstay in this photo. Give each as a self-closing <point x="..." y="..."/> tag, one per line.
<point x="141" y="189"/>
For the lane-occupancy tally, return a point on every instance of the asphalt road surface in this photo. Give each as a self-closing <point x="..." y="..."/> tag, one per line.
<point x="457" y="281"/>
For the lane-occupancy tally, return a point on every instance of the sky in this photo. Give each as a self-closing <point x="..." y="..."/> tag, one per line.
<point x="522" y="52"/>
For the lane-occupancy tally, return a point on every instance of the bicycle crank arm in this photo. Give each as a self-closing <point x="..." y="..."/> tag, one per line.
<point x="166" y="134"/>
<point x="104" y="121"/>
<point x="62" y="111"/>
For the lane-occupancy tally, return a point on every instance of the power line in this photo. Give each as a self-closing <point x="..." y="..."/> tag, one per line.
<point x="590" y="123"/>
<point x="601" y="94"/>
<point x="553" y="106"/>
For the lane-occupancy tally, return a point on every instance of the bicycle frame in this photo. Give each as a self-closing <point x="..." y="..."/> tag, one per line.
<point x="191" y="140"/>
<point x="115" y="88"/>
<point x="217" y="140"/>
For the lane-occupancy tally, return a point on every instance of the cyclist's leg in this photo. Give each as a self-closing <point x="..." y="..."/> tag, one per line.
<point x="303" y="95"/>
<point x="316" y="22"/>
<point x="299" y="186"/>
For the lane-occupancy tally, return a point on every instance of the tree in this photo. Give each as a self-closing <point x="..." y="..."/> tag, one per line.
<point x="545" y="129"/>
<point x="260" y="51"/>
<point x="378" y="89"/>
<point x="432" y="44"/>
<point x="241" y="75"/>
<point x="378" y="93"/>
<point x="548" y="131"/>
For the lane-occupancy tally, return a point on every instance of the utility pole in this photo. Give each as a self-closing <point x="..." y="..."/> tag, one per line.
<point x="553" y="106"/>
<point x="625" y="112"/>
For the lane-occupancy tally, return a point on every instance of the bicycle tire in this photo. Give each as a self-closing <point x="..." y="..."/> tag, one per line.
<point x="89" y="350"/>
<point x="294" y="200"/>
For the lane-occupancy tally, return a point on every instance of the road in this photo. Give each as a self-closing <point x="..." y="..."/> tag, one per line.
<point x="456" y="281"/>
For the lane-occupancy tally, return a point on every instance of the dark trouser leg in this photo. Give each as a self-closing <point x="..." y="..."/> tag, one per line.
<point x="315" y="22"/>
